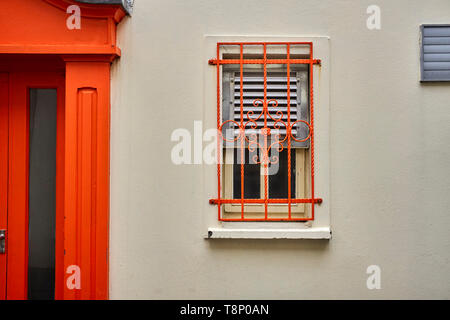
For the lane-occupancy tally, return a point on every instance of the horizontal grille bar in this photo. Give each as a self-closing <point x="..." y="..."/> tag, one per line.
<point x="292" y="200"/>
<point x="268" y="61"/>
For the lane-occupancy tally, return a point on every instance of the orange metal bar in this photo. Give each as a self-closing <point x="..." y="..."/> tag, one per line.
<point x="311" y="105"/>
<point x="288" y="65"/>
<point x="261" y="43"/>
<point x="261" y="61"/>
<point x="268" y="219"/>
<point x="242" y="124"/>
<point x="279" y="201"/>
<point x="219" y="149"/>
<point x="265" y="133"/>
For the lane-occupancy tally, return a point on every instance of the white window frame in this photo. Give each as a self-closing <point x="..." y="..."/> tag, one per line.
<point x="320" y="227"/>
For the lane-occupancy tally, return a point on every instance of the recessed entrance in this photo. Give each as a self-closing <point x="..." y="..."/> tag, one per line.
<point x="54" y="196"/>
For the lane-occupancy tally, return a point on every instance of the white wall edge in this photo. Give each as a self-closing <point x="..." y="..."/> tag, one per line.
<point x="310" y="233"/>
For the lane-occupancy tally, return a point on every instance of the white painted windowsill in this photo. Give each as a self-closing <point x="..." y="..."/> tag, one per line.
<point x="244" y="233"/>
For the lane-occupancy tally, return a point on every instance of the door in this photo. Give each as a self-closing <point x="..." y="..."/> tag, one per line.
<point x="31" y="185"/>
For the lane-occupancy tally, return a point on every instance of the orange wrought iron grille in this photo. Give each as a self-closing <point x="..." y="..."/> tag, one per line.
<point x="265" y="123"/>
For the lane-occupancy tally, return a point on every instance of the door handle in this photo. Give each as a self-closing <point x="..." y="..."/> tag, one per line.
<point x="2" y="241"/>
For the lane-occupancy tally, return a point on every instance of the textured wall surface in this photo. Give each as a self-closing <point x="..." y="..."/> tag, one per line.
<point x="390" y="157"/>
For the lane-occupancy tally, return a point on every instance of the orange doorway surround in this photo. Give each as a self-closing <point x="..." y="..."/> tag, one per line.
<point x="35" y="41"/>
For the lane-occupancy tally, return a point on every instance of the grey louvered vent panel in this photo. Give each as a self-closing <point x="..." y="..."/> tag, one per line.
<point x="253" y="89"/>
<point x="435" y="53"/>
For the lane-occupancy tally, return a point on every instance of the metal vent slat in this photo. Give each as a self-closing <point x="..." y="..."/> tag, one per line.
<point x="441" y="75"/>
<point x="438" y="57"/>
<point x="436" y="40"/>
<point x="269" y="86"/>
<point x="436" y="66"/>
<point x="436" y="31"/>
<point x="260" y="109"/>
<point x="261" y="79"/>
<point x="436" y="48"/>
<point x="250" y="101"/>
<point x="270" y="95"/>
<point x="237" y="116"/>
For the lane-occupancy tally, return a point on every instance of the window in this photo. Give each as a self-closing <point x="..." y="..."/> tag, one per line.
<point x="435" y="53"/>
<point x="254" y="185"/>
<point x="265" y="119"/>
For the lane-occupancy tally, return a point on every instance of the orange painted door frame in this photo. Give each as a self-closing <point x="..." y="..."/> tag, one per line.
<point x="17" y="170"/>
<point x="4" y="105"/>
<point x="83" y="131"/>
<point x="83" y="182"/>
<point x="86" y="201"/>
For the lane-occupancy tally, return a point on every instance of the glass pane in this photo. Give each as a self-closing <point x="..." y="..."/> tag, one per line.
<point x="278" y="181"/>
<point x="42" y="194"/>
<point x="251" y="176"/>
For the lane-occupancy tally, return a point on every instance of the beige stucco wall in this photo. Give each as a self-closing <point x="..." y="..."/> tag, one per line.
<point x="389" y="157"/>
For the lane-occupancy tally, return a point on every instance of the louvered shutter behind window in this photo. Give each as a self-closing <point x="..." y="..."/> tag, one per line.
<point x="435" y="60"/>
<point x="253" y="89"/>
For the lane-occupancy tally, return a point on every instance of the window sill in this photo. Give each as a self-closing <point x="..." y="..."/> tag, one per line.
<point x="244" y="233"/>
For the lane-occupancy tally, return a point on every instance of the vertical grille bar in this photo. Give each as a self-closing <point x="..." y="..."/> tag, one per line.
<point x="311" y="106"/>
<point x="265" y="153"/>
<point x="219" y="149"/>
<point x="242" y="131"/>
<point x="288" y="65"/>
